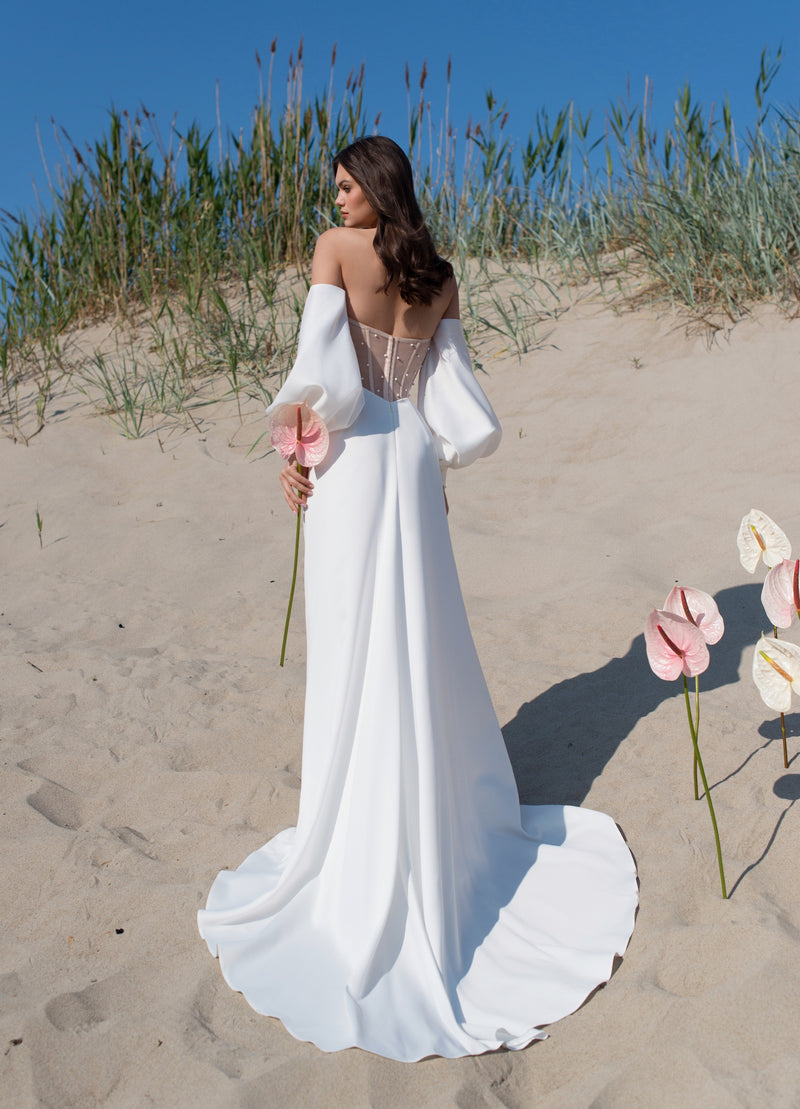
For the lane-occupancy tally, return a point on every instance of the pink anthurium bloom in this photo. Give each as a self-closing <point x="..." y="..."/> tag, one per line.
<point x="296" y="429"/>
<point x="781" y="593"/>
<point x="698" y="608"/>
<point x="674" y="646"/>
<point x="776" y="672"/>
<point x="760" y="538"/>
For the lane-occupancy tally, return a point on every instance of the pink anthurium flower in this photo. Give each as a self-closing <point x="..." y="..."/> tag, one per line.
<point x="776" y="672"/>
<point x="760" y="538"/>
<point x="297" y="431"/>
<point x="674" y="646"/>
<point x="781" y="593"/>
<point x="698" y="608"/>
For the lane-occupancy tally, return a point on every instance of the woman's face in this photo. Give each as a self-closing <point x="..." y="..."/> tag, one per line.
<point x="355" y="208"/>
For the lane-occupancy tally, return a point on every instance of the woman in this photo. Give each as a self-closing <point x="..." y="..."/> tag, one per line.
<point x="416" y="909"/>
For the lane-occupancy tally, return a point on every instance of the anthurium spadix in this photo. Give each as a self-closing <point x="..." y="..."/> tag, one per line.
<point x="760" y="538"/>
<point x="674" y="646"/>
<point x="776" y="672"/>
<point x="781" y="593"/>
<point x="698" y="608"/>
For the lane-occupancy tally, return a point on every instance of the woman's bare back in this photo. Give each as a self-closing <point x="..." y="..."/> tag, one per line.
<point x="345" y="256"/>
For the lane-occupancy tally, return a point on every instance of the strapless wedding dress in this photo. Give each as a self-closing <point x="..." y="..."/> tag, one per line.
<point x="416" y="909"/>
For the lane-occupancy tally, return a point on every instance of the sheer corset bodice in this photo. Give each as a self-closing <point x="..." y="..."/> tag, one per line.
<point x="389" y="364"/>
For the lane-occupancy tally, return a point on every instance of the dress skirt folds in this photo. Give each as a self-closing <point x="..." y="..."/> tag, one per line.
<point x="416" y="909"/>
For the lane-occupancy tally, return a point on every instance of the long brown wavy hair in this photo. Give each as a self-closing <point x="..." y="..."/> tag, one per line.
<point x="402" y="240"/>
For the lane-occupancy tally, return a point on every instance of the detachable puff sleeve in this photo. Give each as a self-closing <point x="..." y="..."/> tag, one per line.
<point x="452" y="403"/>
<point x="325" y="374"/>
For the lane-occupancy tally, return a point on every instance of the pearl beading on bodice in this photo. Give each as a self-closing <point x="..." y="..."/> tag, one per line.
<point x="389" y="364"/>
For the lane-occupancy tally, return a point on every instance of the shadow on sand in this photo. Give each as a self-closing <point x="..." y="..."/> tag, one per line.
<point x="562" y="740"/>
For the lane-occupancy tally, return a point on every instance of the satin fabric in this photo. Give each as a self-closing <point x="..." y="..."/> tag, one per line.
<point x="416" y="909"/>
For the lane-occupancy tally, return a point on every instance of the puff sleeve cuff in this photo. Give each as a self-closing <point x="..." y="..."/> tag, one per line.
<point x="325" y="374"/>
<point x="452" y="403"/>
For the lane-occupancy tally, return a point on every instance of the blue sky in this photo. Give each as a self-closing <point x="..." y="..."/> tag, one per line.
<point x="73" y="61"/>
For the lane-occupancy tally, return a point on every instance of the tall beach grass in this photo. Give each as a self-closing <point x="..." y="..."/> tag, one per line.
<point x="188" y="237"/>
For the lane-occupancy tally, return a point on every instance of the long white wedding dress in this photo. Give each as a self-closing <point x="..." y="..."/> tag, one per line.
<point x="416" y="909"/>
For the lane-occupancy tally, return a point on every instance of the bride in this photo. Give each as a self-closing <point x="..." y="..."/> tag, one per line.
<point x="416" y="909"/>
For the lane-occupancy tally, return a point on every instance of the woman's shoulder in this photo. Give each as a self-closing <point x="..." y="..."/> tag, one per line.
<point x="326" y="267"/>
<point x="449" y="298"/>
<point x="337" y="239"/>
<point x="334" y="249"/>
<point x="328" y="243"/>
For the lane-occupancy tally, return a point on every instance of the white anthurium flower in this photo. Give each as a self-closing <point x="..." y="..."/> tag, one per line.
<point x="760" y="537"/>
<point x="776" y="672"/>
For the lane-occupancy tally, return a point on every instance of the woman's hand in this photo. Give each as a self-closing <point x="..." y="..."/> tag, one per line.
<point x="296" y="487"/>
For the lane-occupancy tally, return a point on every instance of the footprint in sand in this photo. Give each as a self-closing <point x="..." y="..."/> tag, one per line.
<point x="690" y="966"/>
<point x="77" y="1012"/>
<point x="58" y="804"/>
<point x="202" y="1039"/>
<point x="287" y="777"/>
<point x="10" y="990"/>
<point x="183" y="759"/>
<point x="132" y="838"/>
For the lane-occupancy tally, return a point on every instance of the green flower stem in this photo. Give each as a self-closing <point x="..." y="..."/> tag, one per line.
<point x="783" y="717"/>
<point x="697" y="728"/>
<point x="699" y="763"/>
<point x="294" y="576"/>
<point x="694" y="725"/>
<point x="694" y="775"/>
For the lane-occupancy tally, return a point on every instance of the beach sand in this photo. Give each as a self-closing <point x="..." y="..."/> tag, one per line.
<point x="149" y="738"/>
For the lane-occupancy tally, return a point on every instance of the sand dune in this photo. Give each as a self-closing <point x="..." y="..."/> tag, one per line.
<point x="149" y="737"/>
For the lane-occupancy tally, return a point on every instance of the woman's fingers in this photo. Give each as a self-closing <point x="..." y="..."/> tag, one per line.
<point x="290" y="494"/>
<point x="297" y="488"/>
